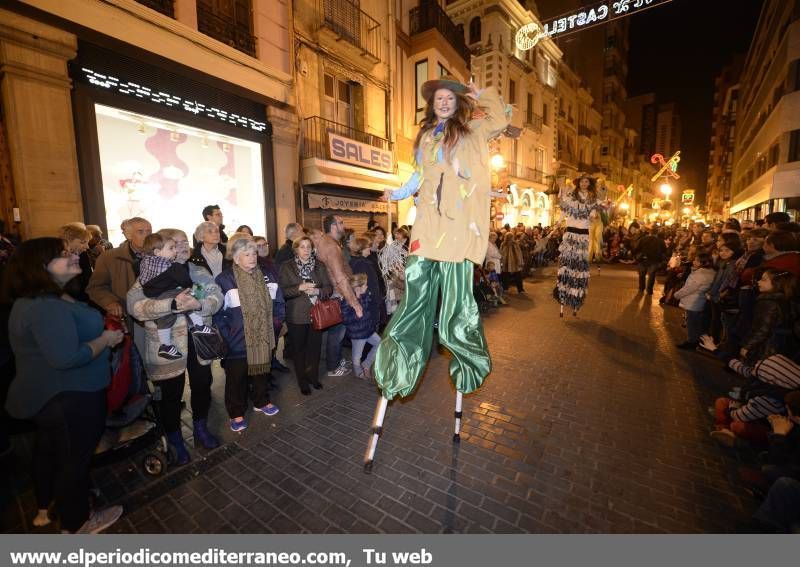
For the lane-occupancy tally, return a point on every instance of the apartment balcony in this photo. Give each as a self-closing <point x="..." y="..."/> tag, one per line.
<point x="166" y="7"/>
<point x="315" y="137"/>
<point x="586" y="131"/>
<point x="534" y="122"/>
<point x="233" y="26"/>
<point x="337" y="154"/>
<point x="615" y="70"/>
<point x="430" y="16"/>
<point x="345" y="29"/>
<point x="588" y="168"/>
<point x="525" y="173"/>
<point x="566" y="158"/>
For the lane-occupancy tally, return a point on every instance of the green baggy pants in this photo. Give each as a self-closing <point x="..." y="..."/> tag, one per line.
<point x="406" y="345"/>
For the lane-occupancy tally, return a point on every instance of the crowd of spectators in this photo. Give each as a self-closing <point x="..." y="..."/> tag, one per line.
<point x="61" y="294"/>
<point x="736" y="284"/>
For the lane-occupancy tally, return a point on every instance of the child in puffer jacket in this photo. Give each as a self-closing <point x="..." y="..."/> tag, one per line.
<point x="692" y="298"/>
<point x="361" y="330"/>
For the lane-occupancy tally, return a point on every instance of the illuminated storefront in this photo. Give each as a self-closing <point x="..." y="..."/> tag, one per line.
<point x="526" y="206"/>
<point x="162" y="147"/>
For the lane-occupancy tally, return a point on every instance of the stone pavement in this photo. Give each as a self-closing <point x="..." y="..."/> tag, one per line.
<point x="588" y="424"/>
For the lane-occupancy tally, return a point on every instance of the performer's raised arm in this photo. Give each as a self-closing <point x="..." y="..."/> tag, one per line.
<point x="498" y="114"/>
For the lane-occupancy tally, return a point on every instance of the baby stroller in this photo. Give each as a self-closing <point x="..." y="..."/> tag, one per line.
<point x="131" y="424"/>
<point x="482" y="290"/>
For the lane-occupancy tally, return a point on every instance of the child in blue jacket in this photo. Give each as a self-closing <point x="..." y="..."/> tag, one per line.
<point x="361" y="331"/>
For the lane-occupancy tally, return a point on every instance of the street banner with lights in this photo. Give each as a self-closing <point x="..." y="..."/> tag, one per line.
<point x="581" y="19"/>
<point x="687" y="197"/>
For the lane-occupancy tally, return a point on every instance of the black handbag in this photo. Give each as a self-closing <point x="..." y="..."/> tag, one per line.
<point x="209" y="346"/>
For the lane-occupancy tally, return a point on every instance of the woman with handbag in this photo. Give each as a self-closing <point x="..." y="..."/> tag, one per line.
<point x="245" y="322"/>
<point x="304" y="282"/>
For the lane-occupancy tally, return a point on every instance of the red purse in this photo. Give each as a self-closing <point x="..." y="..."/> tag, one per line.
<point x="326" y="314"/>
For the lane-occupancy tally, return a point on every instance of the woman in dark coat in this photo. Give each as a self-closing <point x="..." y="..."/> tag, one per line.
<point x="304" y="281"/>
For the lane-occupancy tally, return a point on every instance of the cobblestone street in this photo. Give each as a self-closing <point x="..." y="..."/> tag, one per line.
<point x="587" y="424"/>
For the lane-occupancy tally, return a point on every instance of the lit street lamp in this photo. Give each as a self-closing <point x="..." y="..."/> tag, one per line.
<point x="497" y="161"/>
<point x="666" y="189"/>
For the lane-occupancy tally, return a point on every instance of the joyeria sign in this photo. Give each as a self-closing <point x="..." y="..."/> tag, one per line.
<point x="584" y="18"/>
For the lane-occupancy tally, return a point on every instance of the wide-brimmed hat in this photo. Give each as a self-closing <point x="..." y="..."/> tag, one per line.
<point x="577" y="180"/>
<point x="446" y="82"/>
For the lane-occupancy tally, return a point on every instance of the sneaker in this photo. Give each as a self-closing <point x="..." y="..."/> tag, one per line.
<point x="269" y="409"/>
<point x="367" y="372"/>
<point x="202" y="330"/>
<point x="170" y="352"/>
<point x="724" y="437"/>
<point x="340" y="370"/>
<point x="100" y="520"/>
<point x="237" y="426"/>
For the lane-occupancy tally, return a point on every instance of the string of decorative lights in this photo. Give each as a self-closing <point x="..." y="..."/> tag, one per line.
<point x="157" y="96"/>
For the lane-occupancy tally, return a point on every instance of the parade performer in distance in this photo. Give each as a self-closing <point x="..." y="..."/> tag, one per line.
<point x="450" y="234"/>
<point x="579" y="207"/>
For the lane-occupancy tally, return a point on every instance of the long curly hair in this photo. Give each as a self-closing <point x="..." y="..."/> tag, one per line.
<point x="455" y="128"/>
<point x="575" y="193"/>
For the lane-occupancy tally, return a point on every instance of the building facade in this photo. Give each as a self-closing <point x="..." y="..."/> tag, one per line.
<point x="119" y="108"/>
<point x="344" y="65"/>
<point x="766" y="171"/>
<point x="668" y="130"/>
<point x="723" y="139"/>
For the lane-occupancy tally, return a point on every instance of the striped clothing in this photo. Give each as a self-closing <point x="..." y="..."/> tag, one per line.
<point x="776" y="370"/>
<point x="757" y="408"/>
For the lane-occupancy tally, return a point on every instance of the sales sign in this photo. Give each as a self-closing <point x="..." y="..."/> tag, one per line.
<point x="356" y="153"/>
<point x="687" y="197"/>
<point x="581" y="19"/>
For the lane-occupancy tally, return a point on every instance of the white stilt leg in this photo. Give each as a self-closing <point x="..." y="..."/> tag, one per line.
<point x="561" y="313"/>
<point x="458" y="414"/>
<point x="377" y="428"/>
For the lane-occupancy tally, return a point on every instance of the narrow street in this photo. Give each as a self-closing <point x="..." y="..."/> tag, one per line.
<point x="587" y="424"/>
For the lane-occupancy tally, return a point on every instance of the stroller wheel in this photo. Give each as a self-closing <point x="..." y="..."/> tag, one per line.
<point x="154" y="464"/>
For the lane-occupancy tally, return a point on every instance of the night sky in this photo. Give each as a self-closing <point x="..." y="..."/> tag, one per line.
<point x="676" y="51"/>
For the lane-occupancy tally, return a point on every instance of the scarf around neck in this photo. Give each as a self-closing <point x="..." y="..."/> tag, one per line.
<point x="305" y="269"/>
<point x="256" y="305"/>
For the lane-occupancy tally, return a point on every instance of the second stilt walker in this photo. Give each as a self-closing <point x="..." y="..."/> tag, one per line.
<point x="579" y="206"/>
<point x="451" y="232"/>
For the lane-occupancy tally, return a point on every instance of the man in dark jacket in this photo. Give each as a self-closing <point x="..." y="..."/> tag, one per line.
<point x="286" y="253"/>
<point x="650" y="252"/>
